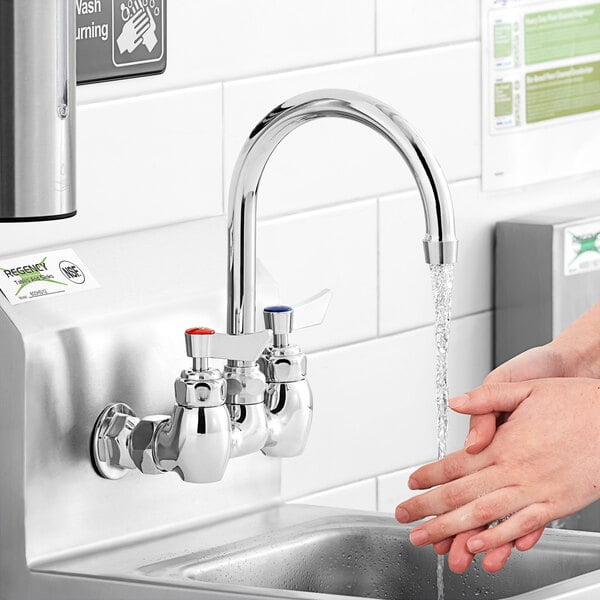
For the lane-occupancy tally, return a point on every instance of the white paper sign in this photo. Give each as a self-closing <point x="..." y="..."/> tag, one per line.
<point x="582" y="248"/>
<point x="541" y="90"/>
<point x="42" y="275"/>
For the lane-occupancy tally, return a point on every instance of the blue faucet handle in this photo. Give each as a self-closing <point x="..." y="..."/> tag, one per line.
<point x="282" y="319"/>
<point x="278" y="309"/>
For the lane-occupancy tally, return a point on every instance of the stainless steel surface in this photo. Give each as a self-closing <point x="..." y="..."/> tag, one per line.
<point x="440" y="240"/>
<point x="290" y="413"/>
<point x="111" y="437"/>
<point x="372" y="557"/>
<point x="534" y="299"/>
<point x="220" y="345"/>
<point x="197" y="440"/>
<point x="195" y="443"/>
<point x="288" y="397"/>
<point x="250" y="429"/>
<point x="311" y="552"/>
<point x="245" y="384"/>
<point x="37" y="109"/>
<point x="587" y="519"/>
<point x="201" y="435"/>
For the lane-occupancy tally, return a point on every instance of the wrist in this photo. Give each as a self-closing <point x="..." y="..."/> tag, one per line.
<point x="575" y="359"/>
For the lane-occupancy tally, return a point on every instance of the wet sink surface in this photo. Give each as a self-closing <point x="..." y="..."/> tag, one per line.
<point x="373" y="558"/>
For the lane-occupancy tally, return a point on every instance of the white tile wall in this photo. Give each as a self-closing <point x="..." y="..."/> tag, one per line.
<point x="335" y="161"/>
<point x="400" y="251"/>
<point x="392" y="488"/>
<point x="414" y="23"/>
<point x="361" y="495"/>
<point x="141" y="162"/>
<point x="337" y="206"/>
<point x="374" y="405"/>
<point x="216" y="40"/>
<point x="332" y="248"/>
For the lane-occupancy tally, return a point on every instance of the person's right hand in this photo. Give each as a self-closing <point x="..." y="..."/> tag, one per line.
<point x="543" y="362"/>
<point x="574" y="353"/>
<point x="538" y="363"/>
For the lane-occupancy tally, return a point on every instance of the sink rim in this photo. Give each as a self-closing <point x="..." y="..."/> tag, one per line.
<point x="179" y="567"/>
<point x="127" y="562"/>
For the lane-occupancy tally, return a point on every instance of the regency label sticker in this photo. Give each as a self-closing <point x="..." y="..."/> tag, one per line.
<point x="44" y="274"/>
<point x="582" y="248"/>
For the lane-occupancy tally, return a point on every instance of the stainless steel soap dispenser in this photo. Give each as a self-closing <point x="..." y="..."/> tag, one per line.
<point x="37" y="109"/>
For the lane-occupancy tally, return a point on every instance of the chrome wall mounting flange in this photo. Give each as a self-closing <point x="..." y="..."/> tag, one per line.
<point x="109" y="439"/>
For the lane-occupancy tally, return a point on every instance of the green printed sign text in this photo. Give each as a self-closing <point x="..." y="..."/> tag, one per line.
<point x="563" y="33"/>
<point x="562" y="92"/>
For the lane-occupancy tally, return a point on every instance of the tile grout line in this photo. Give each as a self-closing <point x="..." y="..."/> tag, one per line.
<point x="378" y="265"/>
<point x="375" y="28"/>
<point x="360" y="199"/>
<point x="291" y="71"/>
<point x="223" y="174"/>
<point x="385" y="336"/>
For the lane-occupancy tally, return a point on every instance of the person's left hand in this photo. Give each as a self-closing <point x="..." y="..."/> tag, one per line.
<point x="542" y="464"/>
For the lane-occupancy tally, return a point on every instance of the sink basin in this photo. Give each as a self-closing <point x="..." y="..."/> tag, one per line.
<point x="371" y="557"/>
<point x="587" y="519"/>
<point x="308" y="552"/>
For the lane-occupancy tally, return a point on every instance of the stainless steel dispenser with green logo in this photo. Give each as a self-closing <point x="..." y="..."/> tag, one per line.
<point x="37" y="109"/>
<point x="547" y="275"/>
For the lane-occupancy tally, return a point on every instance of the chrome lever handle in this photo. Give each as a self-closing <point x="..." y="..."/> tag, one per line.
<point x="203" y="343"/>
<point x="312" y="311"/>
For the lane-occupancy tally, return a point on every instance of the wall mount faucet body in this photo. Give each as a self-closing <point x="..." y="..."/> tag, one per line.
<point x="263" y="405"/>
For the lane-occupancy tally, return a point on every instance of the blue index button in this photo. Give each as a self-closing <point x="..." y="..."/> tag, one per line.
<point x="278" y="309"/>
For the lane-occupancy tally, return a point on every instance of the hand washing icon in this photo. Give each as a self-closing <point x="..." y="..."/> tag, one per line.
<point x="139" y="25"/>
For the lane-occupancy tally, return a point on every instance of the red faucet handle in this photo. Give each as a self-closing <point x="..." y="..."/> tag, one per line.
<point x="203" y="342"/>
<point x="198" y="342"/>
<point x="200" y="331"/>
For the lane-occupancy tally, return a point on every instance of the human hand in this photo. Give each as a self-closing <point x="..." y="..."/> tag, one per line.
<point x="537" y="363"/>
<point x="574" y="353"/>
<point x="526" y="470"/>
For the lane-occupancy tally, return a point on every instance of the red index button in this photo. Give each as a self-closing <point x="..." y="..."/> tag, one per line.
<point x="200" y="331"/>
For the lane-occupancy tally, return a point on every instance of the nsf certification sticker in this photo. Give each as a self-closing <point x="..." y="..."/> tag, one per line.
<point x="45" y="274"/>
<point x="582" y="248"/>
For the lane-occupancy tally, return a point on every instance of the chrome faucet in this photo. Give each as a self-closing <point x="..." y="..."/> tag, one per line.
<point x="262" y="400"/>
<point x="288" y="399"/>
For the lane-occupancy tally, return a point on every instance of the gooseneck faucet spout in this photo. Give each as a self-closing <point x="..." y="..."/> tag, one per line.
<point x="439" y="242"/>
<point x="262" y="400"/>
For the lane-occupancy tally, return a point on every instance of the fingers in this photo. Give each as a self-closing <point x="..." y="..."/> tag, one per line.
<point x="479" y="513"/>
<point x="448" y="497"/>
<point x="527" y="542"/>
<point x="443" y="547"/>
<point x="459" y="558"/>
<point x="495" y="559"/>
<point x="455" y="465"/>
<point x="482" y="429"/>
<point x="528" y="520"/>
<point x="503" y="397"/>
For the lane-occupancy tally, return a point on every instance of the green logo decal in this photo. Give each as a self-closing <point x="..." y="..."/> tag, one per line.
<point x="30" y="274"/>
<point x="585" y="243"/>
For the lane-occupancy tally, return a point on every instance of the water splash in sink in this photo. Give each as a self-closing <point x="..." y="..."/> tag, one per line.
<point x="442" y="277"/>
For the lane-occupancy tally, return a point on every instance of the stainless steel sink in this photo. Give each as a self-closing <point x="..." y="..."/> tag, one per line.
<point x="371" y="557"/>
<point x="587" y="519"/>
<point x="317" y="553"/>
